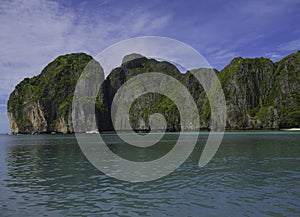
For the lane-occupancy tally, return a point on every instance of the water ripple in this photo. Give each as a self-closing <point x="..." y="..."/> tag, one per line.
<point x="249" y="176"/>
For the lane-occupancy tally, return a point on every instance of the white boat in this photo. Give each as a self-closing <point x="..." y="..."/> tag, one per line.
<point x="92" y="131"/>
<point x="291" y="129"/>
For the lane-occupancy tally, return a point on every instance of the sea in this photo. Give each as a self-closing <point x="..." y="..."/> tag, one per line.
<point x="252" y="174"/>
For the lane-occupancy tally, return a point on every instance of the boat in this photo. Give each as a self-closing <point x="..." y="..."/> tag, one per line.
<point x="92" y="131"/>
<point x="290" y="129"/>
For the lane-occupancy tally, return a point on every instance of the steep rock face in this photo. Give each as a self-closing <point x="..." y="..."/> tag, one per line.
<point x="246" y="84"/>
<point x="148" y="104"/>
<point x="262" y="94"/>
<point x="286" y="90"/>
<point x="259" y="94"/>
<point x="199" y="95"/>
<point x="43" y="103"/>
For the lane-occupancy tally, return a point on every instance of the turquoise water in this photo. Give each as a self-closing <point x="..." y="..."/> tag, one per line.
<point x="252" y="174"/>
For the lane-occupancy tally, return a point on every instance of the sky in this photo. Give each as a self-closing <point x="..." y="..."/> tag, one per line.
<point x="35" y="32"/>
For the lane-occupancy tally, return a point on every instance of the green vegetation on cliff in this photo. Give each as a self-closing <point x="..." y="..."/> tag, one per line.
<point x="259" y="94"/>
<point x="43" y="103"/>
<point x="262" y="94"/>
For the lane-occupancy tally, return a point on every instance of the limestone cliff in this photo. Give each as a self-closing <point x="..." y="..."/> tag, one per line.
<point x="259" y="94"/>
<point x="43" y="103"/>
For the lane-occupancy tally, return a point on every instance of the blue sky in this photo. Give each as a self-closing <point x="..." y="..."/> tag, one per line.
<point x="34" y="32"/>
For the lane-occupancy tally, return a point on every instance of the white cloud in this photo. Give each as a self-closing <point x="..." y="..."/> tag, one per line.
<point x="219" y="56"/>
<point x="274" y="56"/>
<point x="153" y="47"/>
<point x="291" y="45"/>
<point x="264" y="8"/>
<point x="34" y="32"/>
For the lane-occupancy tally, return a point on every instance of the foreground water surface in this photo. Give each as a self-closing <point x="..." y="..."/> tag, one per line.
<point x="252" y="174"/>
